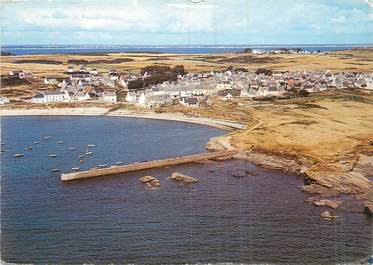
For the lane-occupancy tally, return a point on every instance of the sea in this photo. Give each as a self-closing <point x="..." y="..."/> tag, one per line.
<point x="178" y="49"/>
<point x="257" y="219"/>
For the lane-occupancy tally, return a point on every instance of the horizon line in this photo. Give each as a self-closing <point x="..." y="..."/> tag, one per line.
<point x="152" y="45"/>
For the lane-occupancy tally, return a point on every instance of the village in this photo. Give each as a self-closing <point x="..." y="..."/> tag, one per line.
<point x="188" y="89"/>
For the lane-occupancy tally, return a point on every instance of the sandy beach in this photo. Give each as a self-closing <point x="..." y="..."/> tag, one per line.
<point x="101" y="111"/>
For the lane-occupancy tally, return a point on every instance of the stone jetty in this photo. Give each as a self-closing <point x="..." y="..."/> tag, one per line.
<point x="146" y="165"/>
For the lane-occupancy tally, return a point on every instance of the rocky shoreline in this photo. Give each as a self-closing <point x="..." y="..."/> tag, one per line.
<point x="324" y="181"/>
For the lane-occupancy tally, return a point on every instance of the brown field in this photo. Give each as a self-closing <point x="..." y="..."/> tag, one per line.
<point x="325" y="133"/>
<point x="350" y="60"/>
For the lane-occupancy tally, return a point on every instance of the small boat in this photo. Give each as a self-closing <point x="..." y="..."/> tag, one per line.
<point x="52" y="156"/>
<point x="60" y="142"/>
<point x="18" y="155"/>
<point x="75" y="168"/>
<point x="103" y="165"/>
<point x="36" y="142"/>
<point x="28" y="148"/>
<point x="91" y="145"/>
<point x="81" y="161"/>
<point x="46" y="137"/>
<point x="119" y="163"/>
<point x="81" y="156"/>
<point x="72" y="148"/>
<point x="55" y="170"/>
<point x="88" y="152"/>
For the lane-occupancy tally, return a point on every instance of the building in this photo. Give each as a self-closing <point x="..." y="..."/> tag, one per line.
<point x="110" y="97"/>
<point x="4" y="100"/>
<point x="51" y="97"/>
<point x="189" y="101"/>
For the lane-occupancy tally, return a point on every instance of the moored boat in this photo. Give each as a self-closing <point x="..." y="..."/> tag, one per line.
<point x="46" y="137"/>
<point x="91" y="145"/>
<point x="72" y="148"/>
<point x="103" y="165"/>
<point x="52" y="156"/>
<point x="81" y="156"/>
<point x="36" y="142"/>
<point x="55" y="170"/>
<point x="81" y="161"/>
<point x="75" y="168"/>
<point x="18" y="155"/>
<point x="28" y="148"/>
<point x="60" y="142"/>
<point x="119" y="163"/>
<point x="89" y="153"/>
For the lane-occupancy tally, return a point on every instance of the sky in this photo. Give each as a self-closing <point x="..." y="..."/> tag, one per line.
<point x="186" y="22"/>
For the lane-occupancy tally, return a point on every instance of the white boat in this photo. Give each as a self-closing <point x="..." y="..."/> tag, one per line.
<point x="88" y="152"/>
<point x="60" y="142"/>
<point x="81" y="161"/>
<point x="75" y="168"/>
<point x="91" y="145"/>
<point x="18" y="155"/>
<point x="28" y="148"/>
<point x="52" y="156"/>
<point x="81" y="156"/>
<point x="119" y="163"/>
<point x="46" y="137"/>
<point x="72" y="148"/>
<point x="55" y="170"/>
<point x="36" y="142"/>
<point x="103" y="165"/>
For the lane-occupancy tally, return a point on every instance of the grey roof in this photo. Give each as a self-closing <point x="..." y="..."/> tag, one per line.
<point x="52" y="93"/>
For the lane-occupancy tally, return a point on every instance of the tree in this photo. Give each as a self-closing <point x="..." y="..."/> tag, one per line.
<point x="303" y="93"/>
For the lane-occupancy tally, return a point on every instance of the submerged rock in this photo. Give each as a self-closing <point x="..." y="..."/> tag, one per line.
<point x="183" y="178"/>
<point x="328" y="215"/>
<point x="150" y="181"/>
<point x="368" y="209"/>
<point x="325" y="202"/>
<point x="238" y="174"/>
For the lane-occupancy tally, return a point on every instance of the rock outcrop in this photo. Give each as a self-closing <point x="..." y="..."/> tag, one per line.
<point x="183" y="178"/>
<point x="325" y="202"/>
<point x="238" y="174"/>
<point x="368" y="209"/>
<point x="328" y="215"/>
<point x="219" y="143"/>
<point x="150" y="181"/>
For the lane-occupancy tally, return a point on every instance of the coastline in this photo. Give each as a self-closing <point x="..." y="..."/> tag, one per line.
<point x="101" y="111"/>
<point x="324" y="182"/>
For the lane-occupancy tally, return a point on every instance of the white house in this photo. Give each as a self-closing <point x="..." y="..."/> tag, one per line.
<point x="4" y="100"/>
<point x="189" y="101"/>
<point x="50" y="80"/>
<point x="225" y="96"/>
<point x="110" y="97"/>
<point x="51" y="97"/>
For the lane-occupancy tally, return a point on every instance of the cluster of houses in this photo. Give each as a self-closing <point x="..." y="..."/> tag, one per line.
<point x="194" y="89"/>
<point x="82" y="85"/>
<point x="281" y="51"/>
<point x="20" y="74"/>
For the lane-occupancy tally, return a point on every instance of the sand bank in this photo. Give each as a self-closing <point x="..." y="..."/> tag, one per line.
<point x="100" y="111"/>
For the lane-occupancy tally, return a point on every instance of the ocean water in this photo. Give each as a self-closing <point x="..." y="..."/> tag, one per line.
<point x="115" y="219"/>
<point x="180" y="49"/>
